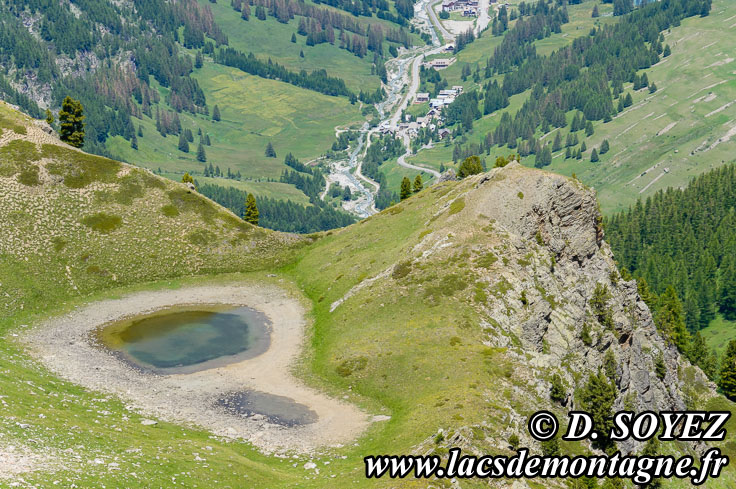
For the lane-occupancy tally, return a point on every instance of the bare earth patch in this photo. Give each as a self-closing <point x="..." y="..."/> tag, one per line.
<point x="16" y="460"/>
<point x="63" y="344"/>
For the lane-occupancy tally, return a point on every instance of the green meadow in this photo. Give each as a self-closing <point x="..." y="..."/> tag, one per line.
<point x="254" y="111"/>
<point x="664" y="139"/>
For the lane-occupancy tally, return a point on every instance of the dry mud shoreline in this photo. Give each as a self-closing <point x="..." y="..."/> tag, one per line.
<point x="63" y="344"/>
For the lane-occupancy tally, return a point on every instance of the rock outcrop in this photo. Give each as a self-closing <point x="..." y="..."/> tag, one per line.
<point x="550" y="257"/>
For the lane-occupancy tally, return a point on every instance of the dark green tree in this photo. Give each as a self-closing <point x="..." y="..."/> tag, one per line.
<point x="609" y="365"/>
<point x="727" y="295"/>
<point x="659" y="367"/>
<point x="201" y="155"/>
<point x="418" y="185"/>
<point x="671" y="319"/>
<point x="293" y="37"/>
<point x="557" y="144"/>
<point x="216" y="113"/>
<point x="727" y="380"/>
<point x="557" y="389"/>
<point x="597" y="398"/>
<point x="405" y="191"/>
<point x="183" y="143"/>
<point x="589" y="129"/>
<point x="594" y="156"/>
<point x="270" y="152"/>
<point x="596" y="14"/>
<point x="134" y="142"/>
<point x="605" y="147"/>
<point x="71" y="122"/>
<point x="251" y="214"/>
<point x="470" y="166"/>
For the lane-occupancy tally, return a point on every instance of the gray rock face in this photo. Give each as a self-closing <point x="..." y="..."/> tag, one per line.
<point x="548" y="230"/>
<point x="448" y="176"/>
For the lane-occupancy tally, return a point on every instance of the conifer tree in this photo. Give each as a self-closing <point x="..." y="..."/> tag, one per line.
<point x="589" y="129"/>
<point x="418" y="185"/>
<point x="594" y="156"/>
<point x="699" y="351"/>
<point x="71" y="122"/>
<point x="251" y="210"/>
<point x="270" y="152"/>
<point x="604" y="147"/>
<point x="583" y="147"/>
<point x="134" y="142"/>
<point x="727" y="296"/>
<point x="49" y="117"/>
<point x="201" y="155"/>
<point x="596" y="14"/>
<point x="183" y="143"/>
<point x="216" y="113"/>
<point x="293" y="37"/>
<point x="671" y="320"/>
<point x="597" y="398"/>
<point x="405" y="190"/>
<point x="557" y="145"/>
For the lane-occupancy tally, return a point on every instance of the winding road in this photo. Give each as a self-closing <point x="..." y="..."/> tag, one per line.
<point x="403" y="74"/>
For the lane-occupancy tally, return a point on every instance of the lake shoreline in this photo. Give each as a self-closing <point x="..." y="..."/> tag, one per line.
<point x="63" y="344"/>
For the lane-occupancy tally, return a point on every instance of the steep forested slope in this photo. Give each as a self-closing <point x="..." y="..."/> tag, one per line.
<point x="684" y="239"/>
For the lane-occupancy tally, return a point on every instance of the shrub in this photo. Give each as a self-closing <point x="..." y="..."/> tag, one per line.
<point x="102" y="222"/>
<point x="557" y="390"/>
<point x="347" y="367"/>
<point x="457" y="205"/>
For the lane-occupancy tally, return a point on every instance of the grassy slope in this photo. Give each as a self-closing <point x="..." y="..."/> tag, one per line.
<point x="696" y="69"/>
<point x="254" y="112"/>
<point x="718" y="333"/>
<point x="51" y="261"/>
<point x="270" y="38"/>
<point x="419" y="359"/>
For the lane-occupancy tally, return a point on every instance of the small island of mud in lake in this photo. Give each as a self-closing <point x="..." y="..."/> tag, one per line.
<point x="200" y="333"/>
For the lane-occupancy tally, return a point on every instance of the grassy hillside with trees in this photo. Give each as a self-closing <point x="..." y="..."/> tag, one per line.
<point x="176" y="85"/>
<point x="401" y="309"/>
<point x="684" y="99"/>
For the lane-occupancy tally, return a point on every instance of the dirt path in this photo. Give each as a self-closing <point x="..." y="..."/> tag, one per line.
<point x="63" y="345"/>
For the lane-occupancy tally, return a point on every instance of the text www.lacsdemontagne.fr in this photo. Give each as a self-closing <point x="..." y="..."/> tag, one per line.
<point x="639" y="469"/>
